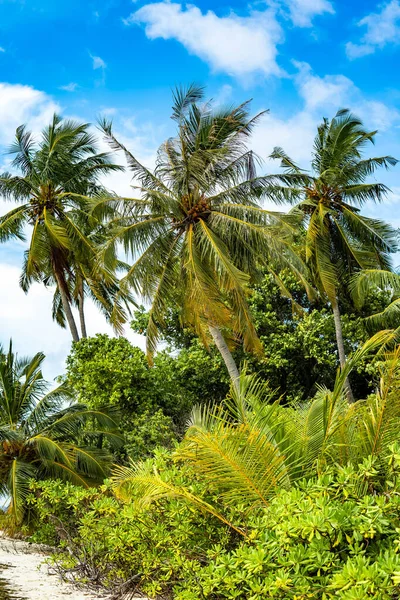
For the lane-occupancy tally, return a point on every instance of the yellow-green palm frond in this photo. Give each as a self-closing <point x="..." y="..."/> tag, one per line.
<point x="147" y="486"/>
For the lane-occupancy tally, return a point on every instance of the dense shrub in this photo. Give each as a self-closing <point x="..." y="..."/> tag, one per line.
<point x="328" y="538"/>
<point x="154" y="403"/>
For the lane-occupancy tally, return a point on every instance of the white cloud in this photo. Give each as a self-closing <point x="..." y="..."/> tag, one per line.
<point x="23" y="104"/>
<point x="239" y="46"/>
<point x="332" y="92"/>
<point x="322" y="97"/>
<point x="328" y="91"/>
<point x="71" y="87"/>
<point x="383" y="28"/>
<point x="358" y="50"/>
<point x="98" y="63"/>
<point x="2" y="49"/>
<point x="294" y="134"/>
<point x="303" y="11"/>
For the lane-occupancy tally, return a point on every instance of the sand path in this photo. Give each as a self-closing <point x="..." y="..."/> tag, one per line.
<point x="29" y="578"/>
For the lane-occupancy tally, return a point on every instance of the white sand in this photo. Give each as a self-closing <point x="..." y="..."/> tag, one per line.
<point x="29" y="578"/>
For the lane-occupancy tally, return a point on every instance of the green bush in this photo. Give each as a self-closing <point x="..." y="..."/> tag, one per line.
<point x="154" y="403"/>
<point x="326" y="539"/>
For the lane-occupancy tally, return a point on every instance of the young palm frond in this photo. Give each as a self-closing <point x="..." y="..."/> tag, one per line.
<point x="383" y="280"/>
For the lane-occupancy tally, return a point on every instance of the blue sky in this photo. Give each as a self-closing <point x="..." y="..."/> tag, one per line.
<point x="302" y="59"/>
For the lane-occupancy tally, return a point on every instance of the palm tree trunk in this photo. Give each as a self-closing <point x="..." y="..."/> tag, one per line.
<point x="81" y="299"/>
<point x="66" y="306"/>
<point x="226" y="355"/>
<point x="340" y="346"/>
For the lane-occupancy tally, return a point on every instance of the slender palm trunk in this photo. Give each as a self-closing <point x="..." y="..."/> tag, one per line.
<point x="81" y="300"/>
<point x="340" y="346"/>
<point x="66" y="306"/>
<point x="226" y="355"/>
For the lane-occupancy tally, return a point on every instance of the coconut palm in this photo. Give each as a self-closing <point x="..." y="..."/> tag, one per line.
<point x="58" y="176"/>
<point x="40" y="431"/>
<point x="339" y="241"/>
<point x="197" y="231"/>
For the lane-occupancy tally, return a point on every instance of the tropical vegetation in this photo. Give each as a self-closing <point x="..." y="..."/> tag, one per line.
<point x="43" y="433"/>
<point x="253" y="450"/>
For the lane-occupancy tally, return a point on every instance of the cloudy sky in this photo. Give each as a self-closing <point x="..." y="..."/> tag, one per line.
<point x="302" y="59"/>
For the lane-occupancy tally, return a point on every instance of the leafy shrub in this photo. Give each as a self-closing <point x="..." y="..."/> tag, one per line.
<point x="325" y="539"/>
<point x="154" y="403"/>
<point x="110" y="542"/>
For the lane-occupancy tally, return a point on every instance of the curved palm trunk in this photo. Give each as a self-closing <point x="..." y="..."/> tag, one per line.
<point x="226" y="355"/>
<point x="340" y="346"/>
<point x="81" y="300"/>
<point x="66" y="306"/>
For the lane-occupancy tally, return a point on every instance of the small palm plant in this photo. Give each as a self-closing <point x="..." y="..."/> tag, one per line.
<point x="42" y="432"/>
<point x="339" y="241"/>
<point x="249" y="448"/>
<point x="197" y="232"/>
<point x="58" y="176"/>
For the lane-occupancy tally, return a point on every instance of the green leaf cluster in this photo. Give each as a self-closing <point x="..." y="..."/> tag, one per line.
<point x="323" y="540"/>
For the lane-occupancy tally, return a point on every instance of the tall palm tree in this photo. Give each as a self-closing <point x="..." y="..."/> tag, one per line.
<point x="339" y="241"/>
<point x="58" y="176"/>
<point x="197" y="230"/>
<point x="41" y="432"/>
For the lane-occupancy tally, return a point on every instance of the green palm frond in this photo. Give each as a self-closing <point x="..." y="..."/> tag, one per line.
<point x="149" y="487"/>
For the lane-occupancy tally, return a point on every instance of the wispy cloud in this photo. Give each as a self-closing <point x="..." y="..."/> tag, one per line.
<point x="383" y="28"/>
<point x="239" y="46"/>
<point x="302" y="12"/>
<point x="2" y="49"/>
<point x="71" y="87"/>
<point x="98" y="62"/>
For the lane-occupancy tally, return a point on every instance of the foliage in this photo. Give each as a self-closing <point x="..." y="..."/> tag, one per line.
<point x="154" y="403"/>
<point x="249" y="448"/>
<point x="298" y="340"/>
<point x="323" y="540"/>
<point x="113" y="543"/>
<point x="41" y="432"/>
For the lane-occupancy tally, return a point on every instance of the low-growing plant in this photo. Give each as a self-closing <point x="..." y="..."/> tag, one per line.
<point x="325" y="539"/>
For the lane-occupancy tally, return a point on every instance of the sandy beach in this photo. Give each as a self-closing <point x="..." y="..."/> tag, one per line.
<point x="29" y="578"/>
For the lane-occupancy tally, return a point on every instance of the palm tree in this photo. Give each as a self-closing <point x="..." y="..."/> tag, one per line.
<point x="40" y="431"/>
<point x="58" y="176"/>
<point x="339" y="241"/>
<point x="197" y="231"/>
